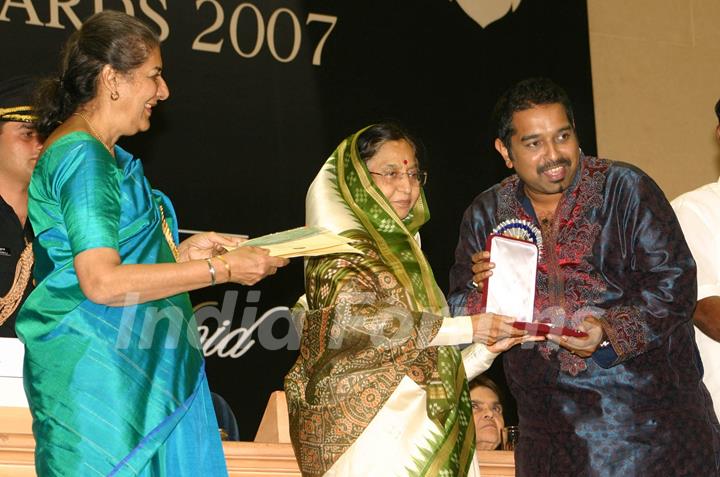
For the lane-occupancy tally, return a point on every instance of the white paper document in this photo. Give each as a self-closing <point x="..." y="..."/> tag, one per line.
<point x="510" y="290"/>
<point x="303" y="242"/>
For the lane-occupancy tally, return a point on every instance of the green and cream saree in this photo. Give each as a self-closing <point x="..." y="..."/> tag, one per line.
<point x="373" y="392"/>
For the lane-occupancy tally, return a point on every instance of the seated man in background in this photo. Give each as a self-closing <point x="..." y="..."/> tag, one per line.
<point x="698" y="212"/>
<point x="487" y="413"/>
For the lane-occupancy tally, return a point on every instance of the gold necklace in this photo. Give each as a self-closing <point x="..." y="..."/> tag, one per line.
<point x="23" y="270"/>
<point x="93" y="132"/>
<point x="168" y="235"/>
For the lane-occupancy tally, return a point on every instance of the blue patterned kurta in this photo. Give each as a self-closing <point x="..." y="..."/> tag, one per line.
<point x="637" y="407"/>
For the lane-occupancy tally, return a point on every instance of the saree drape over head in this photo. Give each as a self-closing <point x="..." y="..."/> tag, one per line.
<point x="368" y="394"/>
<point x="113" y="390"/>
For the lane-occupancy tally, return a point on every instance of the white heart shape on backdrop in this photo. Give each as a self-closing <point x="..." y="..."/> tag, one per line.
<point x="484" y="12"/>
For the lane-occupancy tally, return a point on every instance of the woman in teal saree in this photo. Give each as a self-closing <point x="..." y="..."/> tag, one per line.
<point x="379" y="387"/>
<point x="114" y="373"/>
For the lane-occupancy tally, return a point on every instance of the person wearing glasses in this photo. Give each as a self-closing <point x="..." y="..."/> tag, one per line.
<point x="379" y="387"/>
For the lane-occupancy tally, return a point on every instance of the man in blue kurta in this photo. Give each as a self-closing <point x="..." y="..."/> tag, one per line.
<point x="627" y="399"/>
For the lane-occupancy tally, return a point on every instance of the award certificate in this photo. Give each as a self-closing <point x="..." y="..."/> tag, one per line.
<point x="510" y="290"/>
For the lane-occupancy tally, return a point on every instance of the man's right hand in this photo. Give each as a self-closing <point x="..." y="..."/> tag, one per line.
<point x="482" y="268"/>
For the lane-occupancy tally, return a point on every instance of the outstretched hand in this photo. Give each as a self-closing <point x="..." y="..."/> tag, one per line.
<point x="507" y="343"/>
<point x="205" y="245"/>
<point x="249" y="265"/>
<point x="583" y="347"/>
<point x="489" y="328"/>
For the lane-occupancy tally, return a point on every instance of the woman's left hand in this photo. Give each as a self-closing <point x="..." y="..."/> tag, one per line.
<point x="205" y="245"/>
<point x="489" y="328"/>
<point x="507" y="343"/>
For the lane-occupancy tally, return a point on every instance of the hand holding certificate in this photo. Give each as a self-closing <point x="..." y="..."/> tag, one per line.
<point x="542" y="329"/>
<point x="302" y="242"/>
<point x="510" y="288"/>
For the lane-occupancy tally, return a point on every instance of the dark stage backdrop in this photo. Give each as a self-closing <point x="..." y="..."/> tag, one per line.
<point x="263" y="91"/>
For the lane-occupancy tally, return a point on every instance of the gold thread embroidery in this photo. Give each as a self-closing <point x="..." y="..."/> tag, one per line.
<point x="168" y="234"/>
<point x="22" y="118"/>
<point x="10" y="302"/>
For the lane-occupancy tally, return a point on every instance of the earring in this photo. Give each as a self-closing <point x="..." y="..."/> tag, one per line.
<point x="114" y="95"/>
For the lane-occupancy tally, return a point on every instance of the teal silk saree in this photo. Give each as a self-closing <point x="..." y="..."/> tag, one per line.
<point x="113" y="390"/>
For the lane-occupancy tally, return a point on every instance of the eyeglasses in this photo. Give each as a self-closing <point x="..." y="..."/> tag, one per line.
<point x="415" y="177"/>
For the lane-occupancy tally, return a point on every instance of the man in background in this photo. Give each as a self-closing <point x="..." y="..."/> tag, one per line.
<point x="487" y="413"/>
<point x="699" y="214"/>
<point x="19" y="151"/>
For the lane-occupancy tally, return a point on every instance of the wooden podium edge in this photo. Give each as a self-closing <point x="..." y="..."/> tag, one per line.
<point x="275" y="424"/>
<point x="17" y="445"/>
<point x="244" y="459"/>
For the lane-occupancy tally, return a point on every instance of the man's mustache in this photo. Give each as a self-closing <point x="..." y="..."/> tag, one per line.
<point x="562" y="161"/>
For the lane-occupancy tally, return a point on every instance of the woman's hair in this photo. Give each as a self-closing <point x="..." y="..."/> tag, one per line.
<point x="106" y="38"/>
<point x="372" y="139"/>
<point x="486" y="382"/>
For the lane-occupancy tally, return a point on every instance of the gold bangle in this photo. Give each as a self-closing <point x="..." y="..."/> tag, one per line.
<point x="227" y="266"/>
<point x="211" y="268"/>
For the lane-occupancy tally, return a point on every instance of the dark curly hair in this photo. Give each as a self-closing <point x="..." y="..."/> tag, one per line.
<point x="106" y="38"/>
<point x="526" y="95"/>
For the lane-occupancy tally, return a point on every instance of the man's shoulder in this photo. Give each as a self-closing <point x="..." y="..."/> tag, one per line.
<point x="621" y="180"/>
<point x="489" y="199"/>
<point x="620" y="172"/>
<point x="705" y="193"/>
<point x="618" y="168"/>
<point x="492" y="192"/>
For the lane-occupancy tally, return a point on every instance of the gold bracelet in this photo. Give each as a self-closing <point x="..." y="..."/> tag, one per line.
<point x="211" y="267"/>
<point x="227" y="266"/>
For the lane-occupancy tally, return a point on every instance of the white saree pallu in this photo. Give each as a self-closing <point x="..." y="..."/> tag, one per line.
<point x="394" y="438"/>
<point x="397" y="434"/>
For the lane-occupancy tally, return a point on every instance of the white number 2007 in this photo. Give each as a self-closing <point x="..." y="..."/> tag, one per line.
<point x="263" y="32"/>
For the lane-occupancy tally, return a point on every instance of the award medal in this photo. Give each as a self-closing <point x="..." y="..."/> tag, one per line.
<point x="521" y="230"/>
